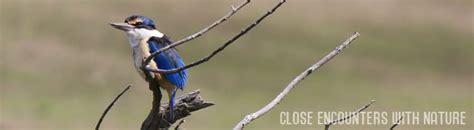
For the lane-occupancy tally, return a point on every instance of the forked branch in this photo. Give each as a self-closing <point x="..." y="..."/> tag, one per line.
<point x="249" y="118"/>
<point x="208" y="57"/>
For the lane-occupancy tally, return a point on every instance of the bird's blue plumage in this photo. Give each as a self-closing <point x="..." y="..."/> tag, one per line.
<point x="169" y="59"/>
<point x="166" y="60"/>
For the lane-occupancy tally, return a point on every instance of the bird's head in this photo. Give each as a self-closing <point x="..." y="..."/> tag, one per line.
<point x="138" y="27"/>
<point x="135" y="22"/>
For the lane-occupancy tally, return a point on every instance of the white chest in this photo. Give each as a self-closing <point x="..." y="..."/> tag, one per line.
<point x="138" y="42"/>
<point x="140" y="53"/>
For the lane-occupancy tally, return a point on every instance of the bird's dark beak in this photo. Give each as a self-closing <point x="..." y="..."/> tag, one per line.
<point x="122" y="26"/>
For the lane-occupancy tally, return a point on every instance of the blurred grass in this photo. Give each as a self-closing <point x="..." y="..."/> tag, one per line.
<point x="61" y="63"/>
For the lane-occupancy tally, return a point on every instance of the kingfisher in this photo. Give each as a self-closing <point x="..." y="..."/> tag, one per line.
<point x="144" y="39"/>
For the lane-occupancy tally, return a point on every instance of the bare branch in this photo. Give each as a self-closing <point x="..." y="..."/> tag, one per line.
<point x="327" y="125"/>
<point x="110" y="106"/>
<point x="208" y="57"/>
<point x="198" y="34"/>
<point x="396" y="124"/>
<point x="249" y="118"/>
<point x="185" y="104"/>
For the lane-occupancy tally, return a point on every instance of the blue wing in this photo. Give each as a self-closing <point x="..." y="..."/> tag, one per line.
<point x="169" y="59"/>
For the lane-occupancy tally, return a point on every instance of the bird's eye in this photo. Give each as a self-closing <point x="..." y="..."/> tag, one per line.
<point x="138" y="23"/>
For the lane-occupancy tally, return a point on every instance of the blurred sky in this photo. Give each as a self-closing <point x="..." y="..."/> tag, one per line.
<point x="61" y="63"/>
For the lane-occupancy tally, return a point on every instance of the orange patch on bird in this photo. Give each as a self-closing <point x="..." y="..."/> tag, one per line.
<point x="135" y="21"/>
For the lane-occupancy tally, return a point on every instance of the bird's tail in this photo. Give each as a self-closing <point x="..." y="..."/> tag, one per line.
<point x="171" y="105"/>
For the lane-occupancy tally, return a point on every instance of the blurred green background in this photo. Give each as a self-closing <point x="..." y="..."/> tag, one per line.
<point x="61" y="63"/>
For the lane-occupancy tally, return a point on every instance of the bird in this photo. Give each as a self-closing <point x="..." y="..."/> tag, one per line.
<point x="144" y="39"/>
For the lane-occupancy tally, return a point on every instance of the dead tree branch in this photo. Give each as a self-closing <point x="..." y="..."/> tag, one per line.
<point x="198" y="34"/>
<point x="396" y="124"/>
<point x="327" y="125"/>
<point x="208" y="57"/>
<point x="110" y="106"/>
<point x="185" y="104"/>
<point x="249" y="118"/>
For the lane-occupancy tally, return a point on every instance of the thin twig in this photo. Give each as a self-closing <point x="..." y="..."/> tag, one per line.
<point x="396" y="124"/>
<point x="249" y="118"/>
<point x="110" y="106"/>
<point x="327" y="125"/>
<point x="179" y="124"/>
<point x="198" y="34"/>
<point x="230" y="41"/>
